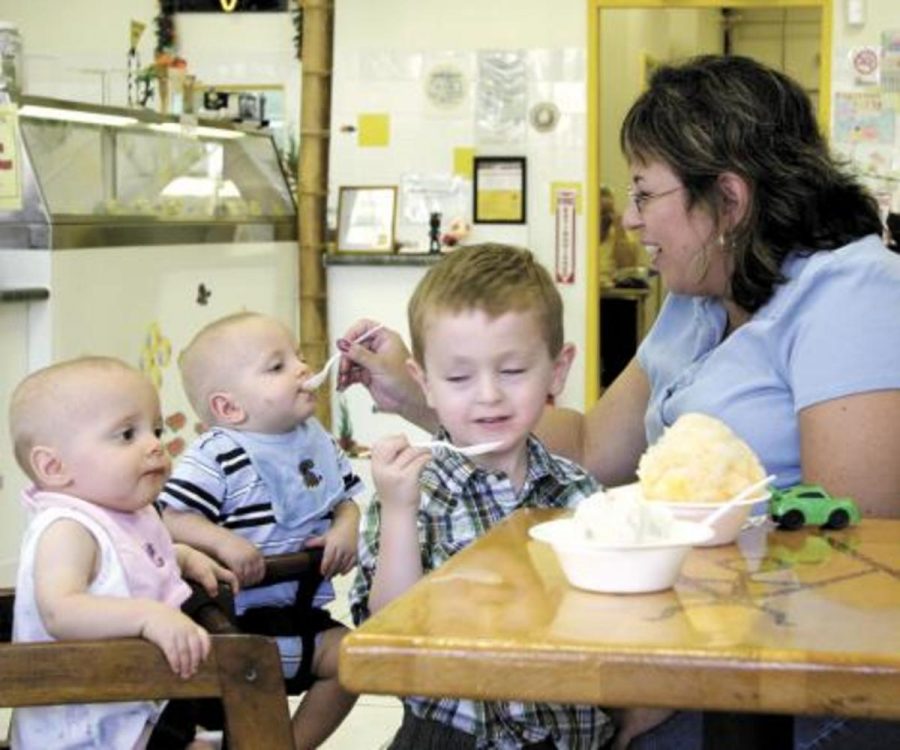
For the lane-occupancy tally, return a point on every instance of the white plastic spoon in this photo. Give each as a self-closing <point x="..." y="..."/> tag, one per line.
<point x="748" y="491"/>
<point x="314" y="381"/>
<point x="465" y="450"/>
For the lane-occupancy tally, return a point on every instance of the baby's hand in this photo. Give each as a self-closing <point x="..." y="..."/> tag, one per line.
<point x="339" y="554"/>
<point x="185" y="644"/>
<point x="201" y="568"/>
<point x="396" y="467"/>
<point x="244" y="560"/>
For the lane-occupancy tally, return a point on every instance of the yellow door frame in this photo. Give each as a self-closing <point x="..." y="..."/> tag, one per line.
<point x="594" y="8"/>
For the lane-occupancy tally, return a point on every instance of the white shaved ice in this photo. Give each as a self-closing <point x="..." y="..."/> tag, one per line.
<point x="603" y="518"/>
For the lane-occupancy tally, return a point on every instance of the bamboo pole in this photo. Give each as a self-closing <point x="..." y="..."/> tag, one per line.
<point x="312" y="181"/>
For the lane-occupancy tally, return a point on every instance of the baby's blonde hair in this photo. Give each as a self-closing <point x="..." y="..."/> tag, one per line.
<point x="41" y="397"/>
<point x="204" y="362"/>
<point x="493" y="278"/>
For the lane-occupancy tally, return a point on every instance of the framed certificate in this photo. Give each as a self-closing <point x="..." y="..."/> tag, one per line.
<point x="499" y="190"/>
<point x="366" y="217"/>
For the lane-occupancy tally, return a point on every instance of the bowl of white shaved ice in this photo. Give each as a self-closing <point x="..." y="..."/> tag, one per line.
<point x="621" y="545"/>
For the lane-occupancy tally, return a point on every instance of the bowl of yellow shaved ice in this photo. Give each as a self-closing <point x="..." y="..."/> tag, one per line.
<point x="697" y="465"/>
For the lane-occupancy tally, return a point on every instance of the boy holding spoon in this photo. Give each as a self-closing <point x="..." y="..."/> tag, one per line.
<point x="266" y="479"/>
<point x="488" y="350"/>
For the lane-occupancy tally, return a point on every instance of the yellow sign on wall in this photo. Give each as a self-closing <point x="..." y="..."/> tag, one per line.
<point x="374" y="130"/>
<point x="10" y="177"/>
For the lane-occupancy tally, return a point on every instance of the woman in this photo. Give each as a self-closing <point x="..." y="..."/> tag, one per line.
<point x="783" y="318"/>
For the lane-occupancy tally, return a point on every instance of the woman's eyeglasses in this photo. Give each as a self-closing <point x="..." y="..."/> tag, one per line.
<point x="640" y="198"/>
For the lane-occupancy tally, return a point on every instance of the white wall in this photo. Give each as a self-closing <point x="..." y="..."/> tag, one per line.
<point x="383" y="52"/>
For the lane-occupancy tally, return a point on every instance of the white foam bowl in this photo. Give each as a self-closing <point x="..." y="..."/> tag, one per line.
<point x="726" y="528"/>
<point x="620" y="568"/>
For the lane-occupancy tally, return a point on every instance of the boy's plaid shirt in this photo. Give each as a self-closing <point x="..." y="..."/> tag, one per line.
<point x="459" y="504"/>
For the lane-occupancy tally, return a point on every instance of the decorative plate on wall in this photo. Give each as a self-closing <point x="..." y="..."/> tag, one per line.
<point x="544" y="116"/>
<point x="445" y="86"/>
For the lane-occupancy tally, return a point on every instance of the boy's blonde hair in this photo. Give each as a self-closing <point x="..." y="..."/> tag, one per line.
<point x="494" y="279"/>
<point x="38" y="401"/>
<point x="205" y="362"/>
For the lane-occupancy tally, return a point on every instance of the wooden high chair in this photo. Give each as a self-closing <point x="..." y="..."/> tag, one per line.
<point x="244" y="671"/>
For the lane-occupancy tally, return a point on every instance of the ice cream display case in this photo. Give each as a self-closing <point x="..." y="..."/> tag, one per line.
<point x="132" y="231"/>
<point x="100" y="176"/>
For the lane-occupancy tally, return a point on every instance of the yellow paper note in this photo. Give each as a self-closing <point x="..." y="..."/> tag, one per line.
<point x="463" y="160"/>
<point x="10" y="178"/>
<point x="500" y="205"/>
<point x="555" y="187"/>
<point x="374" y="130"/>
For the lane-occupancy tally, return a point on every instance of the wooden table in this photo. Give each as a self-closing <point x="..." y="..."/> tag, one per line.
<point x="804" y="622"/>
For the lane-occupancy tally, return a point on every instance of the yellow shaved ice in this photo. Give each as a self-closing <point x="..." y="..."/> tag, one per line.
<point x="698" y="459"/>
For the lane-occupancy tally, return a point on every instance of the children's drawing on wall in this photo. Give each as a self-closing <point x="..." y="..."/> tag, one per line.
<point x="155" y="358"/>
<point x="860" y="117"/>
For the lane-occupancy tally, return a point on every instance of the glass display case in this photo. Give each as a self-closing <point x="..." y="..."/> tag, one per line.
<point x="100" y="176"/>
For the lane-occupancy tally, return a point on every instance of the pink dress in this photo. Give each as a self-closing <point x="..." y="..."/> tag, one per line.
<point x="137" y="560"/>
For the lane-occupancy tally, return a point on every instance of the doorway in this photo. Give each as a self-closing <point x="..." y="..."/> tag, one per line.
<point x="626" y="39"/>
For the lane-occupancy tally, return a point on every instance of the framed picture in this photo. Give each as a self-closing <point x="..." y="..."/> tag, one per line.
<point x="366" y="216"/>
<point x="499" y="190"/>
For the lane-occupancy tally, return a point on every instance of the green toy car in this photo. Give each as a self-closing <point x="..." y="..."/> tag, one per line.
<point x="809" y="504"/>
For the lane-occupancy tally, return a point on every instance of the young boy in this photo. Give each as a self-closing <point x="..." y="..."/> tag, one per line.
<point x="267" y="479"/>
<point x="487" y="342"/>
<point x="96" y="560"/>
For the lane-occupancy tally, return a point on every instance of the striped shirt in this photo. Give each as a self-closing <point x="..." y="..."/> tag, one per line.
<point x="459" y="504"/>
<point x="216" y="479"/>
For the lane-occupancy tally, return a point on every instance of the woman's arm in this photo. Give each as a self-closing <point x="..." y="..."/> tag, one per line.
<point x="851" y="446"/>
<point x="609" y="440"/>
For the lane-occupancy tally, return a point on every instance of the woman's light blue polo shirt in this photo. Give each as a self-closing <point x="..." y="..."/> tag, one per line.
<point x="831" y="330"/>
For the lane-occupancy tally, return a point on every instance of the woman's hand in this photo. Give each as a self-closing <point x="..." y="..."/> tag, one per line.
<point x="379" y="363"/>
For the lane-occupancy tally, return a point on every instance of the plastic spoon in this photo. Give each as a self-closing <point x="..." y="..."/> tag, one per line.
<point x="748" y="491"/>
<point x="314" y="381"/>
<point x="465" y="450"/>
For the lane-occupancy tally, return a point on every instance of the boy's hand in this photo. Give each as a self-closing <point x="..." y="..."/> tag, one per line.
<point x="185" y="644"/>
<point x="201" y="568"/>
<point x="396" y="467"/>
<point x="244" y="560"/>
